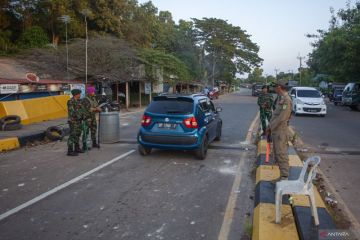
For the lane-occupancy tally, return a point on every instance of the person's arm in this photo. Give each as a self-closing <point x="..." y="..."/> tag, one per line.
<point x="71" y="111"/>
<point x="86" y="105"/>
<point x="271" y="101"/>
<point x="259" y="101"/>
<point x="284" y="115"/>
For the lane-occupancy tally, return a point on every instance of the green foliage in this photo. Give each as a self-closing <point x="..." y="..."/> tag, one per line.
<point x="256" y="76"/>
<point x="6" y="46"/>
<point x="172" y="67"/>
<point x="34" y="37"/>
<point x="228" y="49"/>
<point x="188" y="51"/>
<point x="337" y="51"/>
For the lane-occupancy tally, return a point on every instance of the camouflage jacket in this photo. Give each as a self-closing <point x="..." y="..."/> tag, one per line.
<point x="265" y="101"/>
<point x="88" y="103"/>
<point x="75" y="110"/>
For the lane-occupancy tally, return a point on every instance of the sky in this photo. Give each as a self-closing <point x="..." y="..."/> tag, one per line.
<point x="278" y="27"/>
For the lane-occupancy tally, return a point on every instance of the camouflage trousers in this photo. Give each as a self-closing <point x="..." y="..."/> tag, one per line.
<point x="265" y="115"/>
<point x="75" y="133"/>
<point x="92" y="126"/>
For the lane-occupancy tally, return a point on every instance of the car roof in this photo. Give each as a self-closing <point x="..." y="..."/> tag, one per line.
<point x="304" y="88"/>
<point x="192" y="95"/>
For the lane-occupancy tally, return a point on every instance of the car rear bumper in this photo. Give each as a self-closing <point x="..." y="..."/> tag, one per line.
<point x="314" y="110"/>
<point x="163" y="141"/>
<point x="337" y="100"/>
<point x="348" y="101"/>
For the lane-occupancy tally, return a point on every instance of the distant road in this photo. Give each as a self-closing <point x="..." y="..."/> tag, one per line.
<point x="336" y="138"/>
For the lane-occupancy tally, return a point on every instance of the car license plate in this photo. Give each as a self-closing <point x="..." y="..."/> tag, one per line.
<point x="167" y="125"/>
<point x="313" y="110"/>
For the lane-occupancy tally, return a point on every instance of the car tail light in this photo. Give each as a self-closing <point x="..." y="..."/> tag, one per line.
<point x="190" y="122"/>
<point x="146" y="121"/>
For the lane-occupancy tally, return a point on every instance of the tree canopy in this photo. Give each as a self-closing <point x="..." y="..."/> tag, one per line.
<point x="337" y="50"/>
<point x="205" y="50"/>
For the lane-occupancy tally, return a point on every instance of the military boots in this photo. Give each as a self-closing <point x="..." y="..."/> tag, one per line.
<point x="78" y="149"/>
<point x="71" y="152"/>
<point x="95" y="145"/>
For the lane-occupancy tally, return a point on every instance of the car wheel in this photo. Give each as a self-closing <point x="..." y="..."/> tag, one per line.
<point x="358" y="107"/>
<point x="354" y="108"/>
<point x="144" y="150"/>
<point x="218" y="132"/>
<point x="322" y="115"/>
<point x="201" y="152"/>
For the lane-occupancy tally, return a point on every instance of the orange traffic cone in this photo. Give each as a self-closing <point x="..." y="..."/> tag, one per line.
<point x="267" y="158"/>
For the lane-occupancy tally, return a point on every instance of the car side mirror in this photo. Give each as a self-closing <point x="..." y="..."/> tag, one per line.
<point x="323" y="96"/>
<point x="218" y="109"/>
<point x="293" y="95"/>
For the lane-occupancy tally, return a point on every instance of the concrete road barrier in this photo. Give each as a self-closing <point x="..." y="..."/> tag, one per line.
<point x="9" y="144"/>
<point x="37" y="109"/>
<point x="297" y="222"/>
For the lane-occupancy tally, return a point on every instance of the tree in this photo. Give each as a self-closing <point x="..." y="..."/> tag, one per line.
<point x="337" y="51"/>
<point x="256" y="76"/>
<point x="33" y="37"/>
<point x="108" y="57"/>
<point x="172" y="67"/>
<point x="185" y="49"/>
<point x="226" y="45"/>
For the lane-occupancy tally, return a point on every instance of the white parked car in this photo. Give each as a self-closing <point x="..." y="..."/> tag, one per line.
<point x="308" y="100"/>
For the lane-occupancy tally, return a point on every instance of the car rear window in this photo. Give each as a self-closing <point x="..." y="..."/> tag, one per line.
<point x="338" y="91"/>
<point x="308" y="93"/>
<point x="164" y="105"/>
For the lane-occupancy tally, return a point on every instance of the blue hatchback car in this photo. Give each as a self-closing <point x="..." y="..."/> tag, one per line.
<point x="180" y="122"/>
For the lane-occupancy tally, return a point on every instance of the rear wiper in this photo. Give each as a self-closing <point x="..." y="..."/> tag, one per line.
<point x="174" y="112"/>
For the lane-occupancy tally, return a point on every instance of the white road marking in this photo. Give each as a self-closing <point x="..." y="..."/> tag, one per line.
<point x="229" y="212"/>
<point x="62" y="186"/>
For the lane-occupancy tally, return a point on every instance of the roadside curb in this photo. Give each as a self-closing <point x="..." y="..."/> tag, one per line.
<point x="297" y="222"/>
<point x="16" y="142"/>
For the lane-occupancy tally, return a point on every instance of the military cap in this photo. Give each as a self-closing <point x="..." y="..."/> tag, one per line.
<point x="75" y="92"/>
<point x="281" y="82"/>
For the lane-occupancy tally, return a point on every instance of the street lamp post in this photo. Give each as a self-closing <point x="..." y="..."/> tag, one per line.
<point x="276" y="71"/>
<point x="66" y="19"/>
<point x="86" y="13"/>
<point x="300" y="68"/>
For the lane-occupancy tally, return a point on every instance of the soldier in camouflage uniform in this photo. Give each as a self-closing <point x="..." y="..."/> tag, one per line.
<point x="75" y="116"/>
<point x="91" y="107"/>
<point x="265" y="102"/>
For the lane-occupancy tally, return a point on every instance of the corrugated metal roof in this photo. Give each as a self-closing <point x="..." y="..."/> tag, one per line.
<point x="42" y="81"/>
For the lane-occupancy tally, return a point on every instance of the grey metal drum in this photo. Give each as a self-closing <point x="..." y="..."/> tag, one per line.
<point x="109" y="127"/>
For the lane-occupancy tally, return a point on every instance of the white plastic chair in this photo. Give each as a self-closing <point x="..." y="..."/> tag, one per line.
<point x="300" y="186"/>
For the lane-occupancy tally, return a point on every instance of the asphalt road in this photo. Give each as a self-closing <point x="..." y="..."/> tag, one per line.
<point x="166" y="195"/>
<point x="336" y="138"/>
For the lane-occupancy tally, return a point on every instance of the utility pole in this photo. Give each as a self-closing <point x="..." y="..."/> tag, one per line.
<point x="276" y="71"/>
<point x="66" y="19"/>
<point x="300" y="59"/>
<point x="86" y="13"/>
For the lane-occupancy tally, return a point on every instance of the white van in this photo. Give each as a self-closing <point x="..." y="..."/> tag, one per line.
<point x="308" y="100"/>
